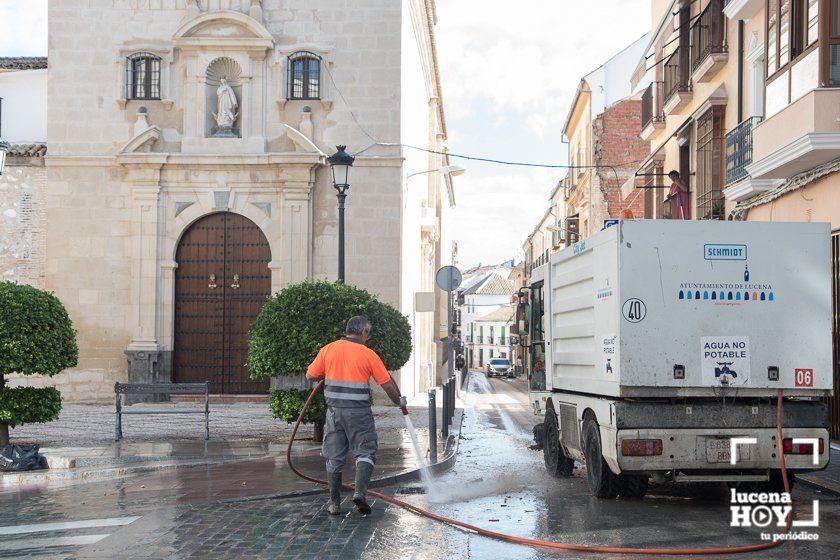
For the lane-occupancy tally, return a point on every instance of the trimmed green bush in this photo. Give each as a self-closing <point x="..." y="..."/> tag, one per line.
<point x="297" y="321"/>
<point x="29" y="405"/>
<point x="285" y="405"/>
<point x="36" y="337"/>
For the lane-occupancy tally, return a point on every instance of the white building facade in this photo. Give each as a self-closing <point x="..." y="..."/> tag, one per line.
<point x="23" y="123"/>
<point x="169" y="216"/>
<point x="482" y="296"/>
<point x="492" y="339"/>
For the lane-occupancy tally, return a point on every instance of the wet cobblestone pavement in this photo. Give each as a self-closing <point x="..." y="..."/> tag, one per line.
<point x="497" y="483"/>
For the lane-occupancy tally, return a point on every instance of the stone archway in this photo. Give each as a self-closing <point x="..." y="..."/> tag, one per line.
<point x="221" y="282"/>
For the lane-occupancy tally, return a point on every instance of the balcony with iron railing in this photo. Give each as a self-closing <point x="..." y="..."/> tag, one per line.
<point x="739" y="148"/>
<point x="652" y="116"/>
<point x="677" y="90"/>
<point x="708" y="42"/>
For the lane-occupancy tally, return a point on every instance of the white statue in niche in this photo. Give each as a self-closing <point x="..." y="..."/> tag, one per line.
<point x="226" y="106"/>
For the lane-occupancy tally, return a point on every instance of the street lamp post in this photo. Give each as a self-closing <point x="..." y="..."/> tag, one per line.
<point x="340" y="164"/>
<point x="4" y="148"/>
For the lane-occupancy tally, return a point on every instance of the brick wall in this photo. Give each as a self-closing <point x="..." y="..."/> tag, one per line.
<point x="616" y="143"/>
<point x="22" y="220"/>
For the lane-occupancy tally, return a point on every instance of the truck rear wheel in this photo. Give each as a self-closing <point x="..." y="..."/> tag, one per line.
<point x="602" y="482"/>
<point x="556" y="462"/>
<point x="632" y="485"/>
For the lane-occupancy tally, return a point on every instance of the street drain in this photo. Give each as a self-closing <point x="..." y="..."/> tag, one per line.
<point x="411" y="490"/>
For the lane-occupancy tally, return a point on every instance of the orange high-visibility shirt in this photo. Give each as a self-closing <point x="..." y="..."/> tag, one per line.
<point x="347" y="366"/>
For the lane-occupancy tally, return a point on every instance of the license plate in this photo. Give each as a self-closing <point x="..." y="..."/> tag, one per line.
<point x="719" y="450"/>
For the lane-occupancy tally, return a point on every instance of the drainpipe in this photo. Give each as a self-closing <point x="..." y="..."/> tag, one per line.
<point x="590" y="159"/>
<point x="740" y="70"/>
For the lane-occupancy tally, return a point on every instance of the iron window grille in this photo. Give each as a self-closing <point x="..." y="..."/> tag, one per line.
<point x="142" y="76"/>
<point x="304" y="75"/>
<point x="710" y="164"/>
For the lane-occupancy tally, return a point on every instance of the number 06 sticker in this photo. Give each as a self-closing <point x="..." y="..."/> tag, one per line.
<point x="634" y="310"/>
<point x="803" y="377"/>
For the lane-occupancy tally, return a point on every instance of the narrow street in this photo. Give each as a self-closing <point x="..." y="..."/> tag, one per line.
<point x="497" y="483"/>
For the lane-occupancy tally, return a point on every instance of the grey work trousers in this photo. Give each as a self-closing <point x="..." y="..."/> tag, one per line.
<point x="349" y="429"/>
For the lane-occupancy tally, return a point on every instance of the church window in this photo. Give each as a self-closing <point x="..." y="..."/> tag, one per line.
<point x="304" y="76"/>
<point x="142" y="76"/>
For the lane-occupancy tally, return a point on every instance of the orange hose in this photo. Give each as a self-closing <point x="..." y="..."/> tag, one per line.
<point x="556" y="545"/>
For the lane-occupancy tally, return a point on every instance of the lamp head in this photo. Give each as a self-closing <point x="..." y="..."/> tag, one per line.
<point x="453" y="170"/>
<point x="340" y="164"/>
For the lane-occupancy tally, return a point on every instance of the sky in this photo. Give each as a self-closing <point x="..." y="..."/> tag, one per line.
<point x="509" y="72"/>
<point x="23" y="28"/>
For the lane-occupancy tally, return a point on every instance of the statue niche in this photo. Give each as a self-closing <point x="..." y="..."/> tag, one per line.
<point x="223" y="99"/>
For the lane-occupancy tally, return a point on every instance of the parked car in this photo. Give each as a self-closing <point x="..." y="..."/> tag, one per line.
<point x="499" y="367"/>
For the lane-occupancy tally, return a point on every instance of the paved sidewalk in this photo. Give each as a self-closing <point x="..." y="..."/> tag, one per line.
<point x="80" y="447"/>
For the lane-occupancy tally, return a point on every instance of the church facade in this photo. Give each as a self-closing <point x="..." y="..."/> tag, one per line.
<point x="186" y="175"/>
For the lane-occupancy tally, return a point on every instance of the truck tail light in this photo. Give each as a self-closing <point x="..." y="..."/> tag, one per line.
<point x="641" y="447"/>
<point x="791" y="448"/>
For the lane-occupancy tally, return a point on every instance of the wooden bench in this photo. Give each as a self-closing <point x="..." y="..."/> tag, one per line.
<point x="166" y="388"/>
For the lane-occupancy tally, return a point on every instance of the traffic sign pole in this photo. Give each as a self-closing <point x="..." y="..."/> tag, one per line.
<point x="448" y="278"/>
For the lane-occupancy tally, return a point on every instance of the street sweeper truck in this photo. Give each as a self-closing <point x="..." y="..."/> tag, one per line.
<point x="656" y="350"/>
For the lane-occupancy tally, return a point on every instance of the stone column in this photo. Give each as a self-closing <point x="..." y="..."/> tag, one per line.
<point x="247" y="117"/>
<point x="194" y="101"/>
<point x="295" y="200"/>
<point x="294" y="262"/>
<point x="256" y="98"/>
<point x="143" y="352"/>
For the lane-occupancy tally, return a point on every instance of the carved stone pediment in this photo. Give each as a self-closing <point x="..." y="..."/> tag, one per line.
<point x="142" y="142"/>
<point x="223" y="29"/>
<point x="220" y="29"/>
<point x="301" y="142"/>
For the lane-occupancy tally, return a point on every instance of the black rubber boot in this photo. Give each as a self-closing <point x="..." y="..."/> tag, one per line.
<point x="363" y="472"/>
<point x="334" y="507"/>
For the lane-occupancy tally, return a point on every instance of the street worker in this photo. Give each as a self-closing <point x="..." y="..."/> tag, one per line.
<point x="348" y="366"/>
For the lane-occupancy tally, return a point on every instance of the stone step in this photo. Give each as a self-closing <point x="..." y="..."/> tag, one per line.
<point x="220" y="399"/>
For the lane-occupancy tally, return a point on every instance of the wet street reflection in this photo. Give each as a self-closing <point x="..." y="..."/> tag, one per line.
<point x="500" y="484"/>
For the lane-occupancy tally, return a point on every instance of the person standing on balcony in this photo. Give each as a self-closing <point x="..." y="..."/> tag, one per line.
<point x="678" y="196"/>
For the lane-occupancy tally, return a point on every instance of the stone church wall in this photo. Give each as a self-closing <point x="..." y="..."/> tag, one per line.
<point x="114" y="216"/>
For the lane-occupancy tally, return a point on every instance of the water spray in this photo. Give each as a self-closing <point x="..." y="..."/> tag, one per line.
<point x="550" y="544"/>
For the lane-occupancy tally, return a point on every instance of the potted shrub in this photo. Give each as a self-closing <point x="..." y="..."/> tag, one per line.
<point x="300" y="319"/>
<point x="36" y="338"/>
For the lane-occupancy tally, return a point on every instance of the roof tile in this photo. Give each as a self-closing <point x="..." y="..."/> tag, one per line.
<point x="23" y="62"/>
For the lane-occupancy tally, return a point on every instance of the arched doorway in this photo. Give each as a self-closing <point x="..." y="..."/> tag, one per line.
<point x="221" y="282"/>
